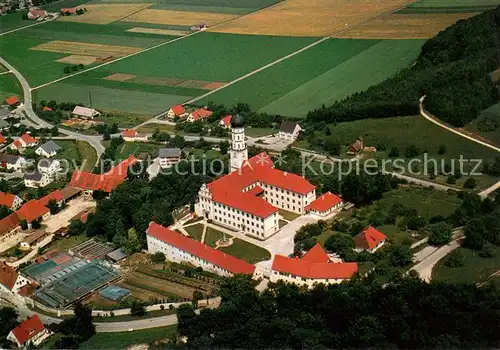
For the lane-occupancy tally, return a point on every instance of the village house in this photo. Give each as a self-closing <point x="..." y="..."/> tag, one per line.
<point x="12" y="162"/>
<point x="225" y="122"/>
<point x="85" y="113"/>
<point x="48" y="149"/>
<point x="313" y="268"/>
<point x="13" y="101"/>
<point x="370" y="240"/>
<point x="176" y="111"/>
<point x="11" y="201"/>
<point x="199" y="114"/>
<point x="25" y="141"/>
<point x="10" y="280"/>
<point x="289" y="131"/>
<point x="169" y="156"/>
<point x="181" y="249"/>
<point x="68" y="10"/>
<point x="249" y="198"/>
<point x="356" y="147"/>
<point x="37" y="179"/>
<point x="32" y="211"/>
<point x="9" y="226"/>
<point x="325" y="205"/>
<point x="50" y="167"/>
<point x="131" y="135"/>
<point x="31" y="332"/>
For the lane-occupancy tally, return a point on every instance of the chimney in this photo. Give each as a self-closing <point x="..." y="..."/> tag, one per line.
<point x="285" y="173"/>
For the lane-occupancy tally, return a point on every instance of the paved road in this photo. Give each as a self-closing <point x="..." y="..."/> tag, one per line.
<point x="135" y="325"/>
<point x="424" y="268"/>
<point x="94" y="141"/>
<point x="28" y="26"/>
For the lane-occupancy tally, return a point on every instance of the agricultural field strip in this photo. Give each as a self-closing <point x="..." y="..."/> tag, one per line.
<point x="289" y="56"/>
<point x="137" y="53"/>
<point x="18" y="29"/>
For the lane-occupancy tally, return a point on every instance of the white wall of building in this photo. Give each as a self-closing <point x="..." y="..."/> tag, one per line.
<point x="301" y="281"/>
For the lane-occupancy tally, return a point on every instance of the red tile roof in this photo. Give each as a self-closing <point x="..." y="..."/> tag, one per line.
<point x="259" y="169"/>
<point x="227" y="120"/>
<point x="324" y="203"/>
<point x="178" y="110"/>
<point x="369" y="238"/>
<point x="8" y="275"/>
<point x="32" y="210"/>
<point x="56" y="195"/>
<point x="28" y="329"/>
<point x="17" y="144"/>
<point x="129" y="133"/>
<point x="7" y="199"/>
<point x="9" y="223"/>
<point x="69" y="9"/>
<point x="188" y="245"/>
<point x="201" y="114"/>
<point x="12" y="100"/>
<point x="255" y="191"/>
<point x="27" y="289"/>
<point x="2" y="139"/>
<point x="47" y="109"/>
<point x="314" y="266"/>
<point x="103" y="182"/>
<point x="316" y="255"/>
<point x="27" y="138"/>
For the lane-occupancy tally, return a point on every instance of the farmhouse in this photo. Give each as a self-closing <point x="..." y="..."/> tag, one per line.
<point x="182" y="249"/>
<point x="13" y="101"/>
<point x="176" y="111"/>
<point x="69" y="10"/>
<point x="226" y="122"/>
<point x="12" y="162"/>
<point x="11" y="201"/>
<point x="198" y="27"/>
<point x="37" y="13"/>
<point x="58" y="196"/>
<point x="10" y="280"/>
<point x="199" y="114"/>
<point x="325" y="205"/>
<point x="9" y="226"/>
<point x="23" y="142"/>
<point x="370" y="239"/>
<point x="31" y="240"/>
<point x="356" y="147"/>
<point x="314" y="267"/>
<point x="33" y="210"/>
<point x="48" y="149"/>
<point x="37" y="179"/>
<point x="131" y="135"/>
<point x="248" y="199"/>
<point x="85" y="113"/>
<point x="31" y="332"/>
<point x="169" y="156"/>
<point x="107" y="182"/>
<point x="289" y="131"/>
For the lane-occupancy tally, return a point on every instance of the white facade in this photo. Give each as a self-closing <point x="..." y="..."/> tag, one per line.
<point x="16" y="203"/>
<point x="372" y="250"/>
<point x="301" y="281"/>
<point x="328" y="211"/>
<point x="239" y="152"/>
<point x="136" y="138"/>
<point x="41" y="152"/>
<point x="18" y="165"/>
<point x="166" y="162"/>
<point x="35" y="340"/>
<point x="290" y="136"/>
<point x="42" y="182"/>
<point x="20" y="282"/>
<point x="179" y="256"/>
<point x="49" y="167"/>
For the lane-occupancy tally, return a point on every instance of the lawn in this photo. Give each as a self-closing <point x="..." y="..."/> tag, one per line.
<point x="66" y="243"/>
<point x="212" y="236"/>
<point x="475" y="270"/>
<point x="195" y="231"/>
<point x="9" y="85"/>
<point x="79" y="151"/>
<point x="327" y="72"/>
<point x="13" y="21"/>
<point x="150" y="128"/>
<point x="127" y="149"/>
<point x="246" y="251"/>
<point x="491" y="115"/>
<point x="288" y="215"/>
<point x="259" y="132"/>
<point x="123" y="119"/>
<point x="121" y="340"/>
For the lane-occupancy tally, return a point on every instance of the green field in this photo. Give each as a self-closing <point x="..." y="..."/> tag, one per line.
<point x="9" y="85"/>
<point x="450" y="6"/>
<point x="121" y="340"/>
<point x="13" y="21"/>
<point x="134" y="148"/>
<point x="56" y="5"/>
<point x="323" y="74"/>
<point x="492" y="116"/>
<point x="476" y="269"/>
<point x="78" y="151"/>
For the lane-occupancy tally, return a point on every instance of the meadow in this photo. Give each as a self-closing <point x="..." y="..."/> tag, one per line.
<point x="9" y="85"/>
<point x="323" y="74"/>
<point x="490" y="116"/>
<point x="121" y="340"/>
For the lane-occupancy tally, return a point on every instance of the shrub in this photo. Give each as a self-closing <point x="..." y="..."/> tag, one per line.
<point x="455" y="259"/>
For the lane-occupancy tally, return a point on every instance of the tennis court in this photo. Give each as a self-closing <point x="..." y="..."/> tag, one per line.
<point x="114" y="293"/>
<point x="56" y="265"/>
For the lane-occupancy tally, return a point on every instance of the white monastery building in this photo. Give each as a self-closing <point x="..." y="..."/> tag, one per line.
<point x="249" y="198"/>
<point x="182" y="249"/>
<point x="313" y="268"/>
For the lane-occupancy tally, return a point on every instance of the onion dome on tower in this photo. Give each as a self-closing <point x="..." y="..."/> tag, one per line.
<point x="237" y="121"/>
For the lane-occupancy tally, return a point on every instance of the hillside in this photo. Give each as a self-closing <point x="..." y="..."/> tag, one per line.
<point x="453" y="70"/>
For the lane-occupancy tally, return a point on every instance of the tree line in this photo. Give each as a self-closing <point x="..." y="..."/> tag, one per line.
<point x="452" y="70"/>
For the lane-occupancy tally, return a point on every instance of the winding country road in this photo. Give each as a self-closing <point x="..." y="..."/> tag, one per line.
<point x="94" y="141"/>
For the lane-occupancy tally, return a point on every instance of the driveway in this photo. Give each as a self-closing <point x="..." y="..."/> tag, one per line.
<point x="424" y="268"/>
<point x="62" y="219"/>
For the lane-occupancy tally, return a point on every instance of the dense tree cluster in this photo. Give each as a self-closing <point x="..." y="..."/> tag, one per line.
<point x="406" y="313"/>
<point x="8" y="320"/>
<point x="77" y="328"/>
<point x="452" y="71"/>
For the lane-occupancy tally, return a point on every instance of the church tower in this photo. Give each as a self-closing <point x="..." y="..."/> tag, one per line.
<point x="239" y="152"/>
